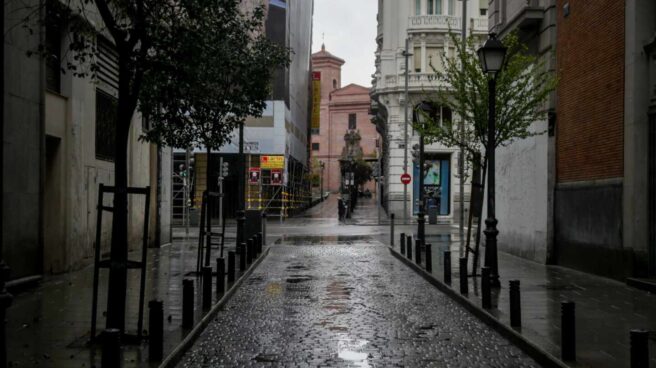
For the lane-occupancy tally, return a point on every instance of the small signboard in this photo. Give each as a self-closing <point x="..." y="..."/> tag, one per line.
<point x="406" y="179"/>
<point x="276" y="177"/>
<point x="272" y="162"/>
<point x="254" y="175"/>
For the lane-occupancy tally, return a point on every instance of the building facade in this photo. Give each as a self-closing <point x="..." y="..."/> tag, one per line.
<point x="58" y="150"/>
<point x="426" y="25"/>
<point x="342" y="109"/>
<point x="280" y="135"/>
<point x="588" y="184"/>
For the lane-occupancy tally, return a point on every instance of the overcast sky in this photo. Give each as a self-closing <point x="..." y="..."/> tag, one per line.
<point x="350" y="33"/>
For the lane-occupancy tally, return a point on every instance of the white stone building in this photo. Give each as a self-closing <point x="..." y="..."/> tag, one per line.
<point x="426" y="25"/>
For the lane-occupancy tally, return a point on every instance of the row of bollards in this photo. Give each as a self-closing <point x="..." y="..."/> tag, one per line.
<point x="111" y="341"/>
<point x="638" y="339"/>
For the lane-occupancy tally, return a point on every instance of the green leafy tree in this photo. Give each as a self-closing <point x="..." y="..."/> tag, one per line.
<point x="523" y="87"/>
<point x="184" y="63"/>
<point x="362" y="171"/>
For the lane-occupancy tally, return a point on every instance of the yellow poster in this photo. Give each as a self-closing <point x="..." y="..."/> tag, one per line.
<point x="272" y="162"/>
<point x="316" y="100"/>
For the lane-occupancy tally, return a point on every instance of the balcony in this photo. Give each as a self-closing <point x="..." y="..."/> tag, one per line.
<point x="433" y="23"/>
<point x="478" y="25"/>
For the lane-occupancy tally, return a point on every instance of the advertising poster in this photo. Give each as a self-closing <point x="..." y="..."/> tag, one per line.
<point x="316" y="100"/>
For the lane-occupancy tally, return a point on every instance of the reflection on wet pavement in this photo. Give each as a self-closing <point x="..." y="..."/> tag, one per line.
<point x="324" y="239"/>
<point x="345" y="306"/>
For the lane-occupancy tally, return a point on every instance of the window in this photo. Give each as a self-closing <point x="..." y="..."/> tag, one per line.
<point x="334" y="83"/>
<point x="315" y="146"/>
<point x="433" y="58"/>
<point x="452" y="7"/>
<point x="417" y="59"/>
<point x="352" y="122"/>
<point x="106" y="109"/>
<point x="483" y="12"/>
<point x="417" y="7"/>
<point x="314" y="131"/>
<point x="433" y="7"/>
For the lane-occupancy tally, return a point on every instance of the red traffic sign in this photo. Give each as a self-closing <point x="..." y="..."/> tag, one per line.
<point x="406" y="179"/>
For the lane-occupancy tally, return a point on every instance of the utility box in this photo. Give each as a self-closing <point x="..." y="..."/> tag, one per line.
<point x="253" y="224"/>
<point x="432" y="215"/>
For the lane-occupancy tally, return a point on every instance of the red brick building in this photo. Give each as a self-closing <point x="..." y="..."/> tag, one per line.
<point x="342" y="109"/>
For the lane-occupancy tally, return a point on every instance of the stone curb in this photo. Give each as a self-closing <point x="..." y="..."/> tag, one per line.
<point x="541" y="356"/>
<point x="176" y="355"/>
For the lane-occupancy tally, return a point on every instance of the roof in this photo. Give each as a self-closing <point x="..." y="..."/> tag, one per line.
<point x="323" y="54"/>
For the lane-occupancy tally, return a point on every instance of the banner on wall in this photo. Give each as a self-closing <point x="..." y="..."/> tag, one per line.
<point x="272" y="162"/>
<point x="316" y="100"/>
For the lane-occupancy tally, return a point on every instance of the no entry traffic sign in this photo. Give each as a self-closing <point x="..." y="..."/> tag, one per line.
<point x="406" y="179"/>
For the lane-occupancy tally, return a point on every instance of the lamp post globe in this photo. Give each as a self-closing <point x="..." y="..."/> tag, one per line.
<point x="492" y="56"/>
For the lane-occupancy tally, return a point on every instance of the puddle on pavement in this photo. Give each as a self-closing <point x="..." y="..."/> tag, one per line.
<point x="324" y="239"/>
<point x="351" y="350"/>
<point x="439" y="238"/>
<point x="295" y="279"/>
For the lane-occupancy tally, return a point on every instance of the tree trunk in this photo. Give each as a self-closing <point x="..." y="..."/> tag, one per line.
<point x="117" y="289"/>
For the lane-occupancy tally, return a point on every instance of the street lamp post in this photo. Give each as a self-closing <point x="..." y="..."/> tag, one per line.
<point x="491" y="56"/>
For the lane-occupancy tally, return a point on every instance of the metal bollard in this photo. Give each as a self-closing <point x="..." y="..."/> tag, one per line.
<point x="421" y="225"/>
<point x="111" y="348"/>
<point x="429" y="258"/>
<point x="447" y="267"/>
<point x="464" y="283"/>
<point x="568" y="331"/>
<point x="264" y="227"/>
<point x="220" y="276"/>
<point x="156" y="328"/>
<point x="259" y="243"/>
<point x="392" y="229"/>
<point x="639" y="340"/>
<point x="187" y="303"/>
<point x="418" y="244"/>
<point x="402" y="241"/>
<point x="408" y="247"/>
<point x="241" y="220"/>
<point x="242" y="257"/>
<point x="250" y="250"/>
<point x="486" y="292"/>
<point x="207" y="287"/>
<point x="515" y="304"/>
<point x="231" y="266"/>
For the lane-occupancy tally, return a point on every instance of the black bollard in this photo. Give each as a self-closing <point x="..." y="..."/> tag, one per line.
<point x="241" y="220"/>
<point x="250" y="250"/>
<point x="464" y="283"/>
<point x="515" y="304"/>
<point x="402" y="242"/>
<point x="111" y="348"/>
<point x="408" y="247"/>
<point x="421" y="225"/>
<point x="220" y="276"/>
<point x="264" y="227"/>
<point x="260" y="248"/>
<point x="156" y="328"/>
<point x="231" y="266"/>
<point x="486" y="292"/>
<point x="207" y="287"/>
<point x="429" y="258"/>
<point x="187" y="303"/>
<point x="418" y="244"/>
<point x="639" y="340"/>
<point x="447" y="267"/>
<point x="568" y="331"/>
<point x="392" y="230"/>
<point x="242" y="257"/>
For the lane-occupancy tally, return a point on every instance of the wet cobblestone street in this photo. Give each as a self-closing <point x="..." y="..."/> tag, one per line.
<point x="345" y="304"/>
